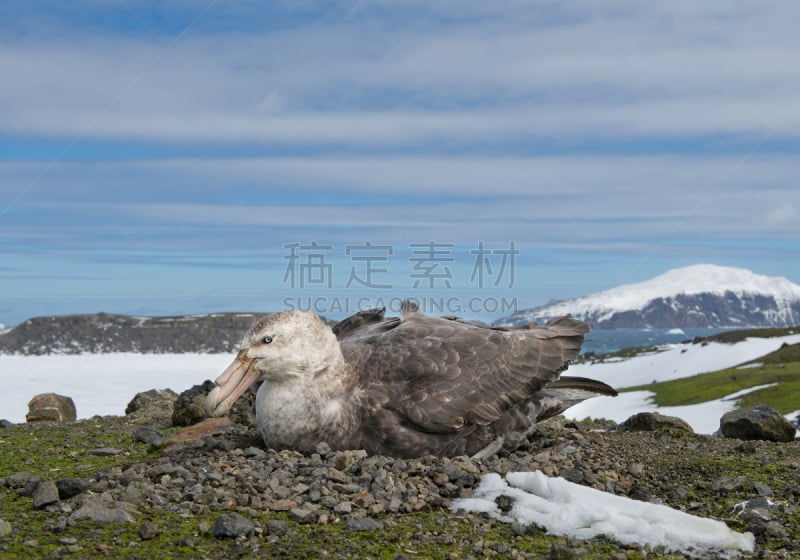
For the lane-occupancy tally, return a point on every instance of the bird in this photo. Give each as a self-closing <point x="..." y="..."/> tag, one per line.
<point x="404" y="386"/>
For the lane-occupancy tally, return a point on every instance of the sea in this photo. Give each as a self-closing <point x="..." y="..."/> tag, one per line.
<point x="603" y="341"/>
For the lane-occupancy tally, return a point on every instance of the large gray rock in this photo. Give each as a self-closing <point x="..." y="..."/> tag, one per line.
<point x="190" y="407"/>
<point x="654" y="422"/>
<point x="154" y="405"/>
<point x="50" y="407"/>
<point x="759" y="421"/>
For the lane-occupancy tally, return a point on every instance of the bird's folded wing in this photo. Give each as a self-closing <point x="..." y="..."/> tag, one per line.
<point x="442" y="375"/>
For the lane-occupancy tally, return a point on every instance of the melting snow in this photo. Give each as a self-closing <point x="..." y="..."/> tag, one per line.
<point x="580" y="512"/>
<point x="679" y="360"/>
<point x="675" y="362"/>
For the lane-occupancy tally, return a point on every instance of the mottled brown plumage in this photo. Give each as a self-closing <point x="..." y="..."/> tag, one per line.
<point x="406" y="386"/>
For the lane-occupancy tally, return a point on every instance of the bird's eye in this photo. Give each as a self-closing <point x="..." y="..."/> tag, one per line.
<point x="267" y="339"/>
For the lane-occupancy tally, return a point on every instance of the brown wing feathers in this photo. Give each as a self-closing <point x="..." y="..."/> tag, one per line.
<point x="457" y="373"/>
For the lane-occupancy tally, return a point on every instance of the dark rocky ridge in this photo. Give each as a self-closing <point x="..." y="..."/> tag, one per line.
<point x="103" y="332"/>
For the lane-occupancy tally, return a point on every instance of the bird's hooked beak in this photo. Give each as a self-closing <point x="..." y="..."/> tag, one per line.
<point x="234" y="381"/>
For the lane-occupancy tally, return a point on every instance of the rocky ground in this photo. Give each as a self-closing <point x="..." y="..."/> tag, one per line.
<point x="110" y="487"/>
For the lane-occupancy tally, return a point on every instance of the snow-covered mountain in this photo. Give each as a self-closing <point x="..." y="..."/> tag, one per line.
<point x="696" y="296"/>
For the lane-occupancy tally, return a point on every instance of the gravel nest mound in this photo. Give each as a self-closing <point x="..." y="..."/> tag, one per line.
<point x="232" y="479"/>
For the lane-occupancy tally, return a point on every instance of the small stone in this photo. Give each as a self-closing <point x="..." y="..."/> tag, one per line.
<point x="46" y="493"/>
<point x="762" y="489"/>
<point x="757" y="422"/>
<point x="67" y="540"/>
<point x="5" y="528"/>
<point x="60" y="525"/>
<point x="254" y="453"/>
<point x="343" y="507"/>
<point x="20" y="479"/>
<point x="149" y="530"/>
<point x="302" y="515"/>
<point x="148" y="435"/>
<point x="104" y="452"/>
<point x="728" y="484"/>
<point x="504" y="503"/>
<point x="572" y="475"/>
<point x="748" y="447"/>
<point x="640" y="493"/>
<point x="636" y="469"/>
<point x="561" y="551"/>
<point x="323" y="448"/>
<point x="50" y="407"/>
<point x="776" y="530"/>
<point x="230" y="526"/>
<point x="71" y="487"/>
<point x="277" y="527"/>
<point x="282" y="505"/>
<point x="363" y="524"/>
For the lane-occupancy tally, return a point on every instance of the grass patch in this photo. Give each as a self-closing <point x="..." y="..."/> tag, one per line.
<point x="704" y="387"/>
<point x="739" y="335"/>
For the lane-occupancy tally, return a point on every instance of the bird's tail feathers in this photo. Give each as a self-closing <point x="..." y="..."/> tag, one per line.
<point x="559" y="395"/>
<point x="591" y="386"/>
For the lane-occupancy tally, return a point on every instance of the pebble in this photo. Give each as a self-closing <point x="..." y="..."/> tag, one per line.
<point x="728" y="484"/>
<point x="104" y="451"/>
<point x="70" y="487"/>
<point x="149" y="435"/>
<point x="46" y="493"/>
<point x="149" y="530"/>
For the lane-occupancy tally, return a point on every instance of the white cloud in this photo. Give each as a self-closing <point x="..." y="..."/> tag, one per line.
<point x="600" y="72"/>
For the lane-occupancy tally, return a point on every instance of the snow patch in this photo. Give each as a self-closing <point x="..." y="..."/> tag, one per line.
<point x="100" y="384"/>
<point x="679" y="360"/>
<point x="581" y="512"/>
<point x="675" y="362"/>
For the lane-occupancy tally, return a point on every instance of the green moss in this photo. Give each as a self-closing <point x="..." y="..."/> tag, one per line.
<point x="704" y="387"/>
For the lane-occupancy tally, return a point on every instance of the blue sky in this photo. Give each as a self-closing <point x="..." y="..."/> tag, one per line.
<point x="163" y="157"/>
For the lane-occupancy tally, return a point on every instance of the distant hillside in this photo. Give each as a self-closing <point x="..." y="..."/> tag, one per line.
<point x="102" y="332"/>
<point x="700" y="296"/>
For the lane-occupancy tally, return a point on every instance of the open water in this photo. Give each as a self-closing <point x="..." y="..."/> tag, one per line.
<point x="602" y="341"/>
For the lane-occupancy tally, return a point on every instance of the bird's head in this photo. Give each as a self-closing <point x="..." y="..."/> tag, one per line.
<point x="284" y="347"/>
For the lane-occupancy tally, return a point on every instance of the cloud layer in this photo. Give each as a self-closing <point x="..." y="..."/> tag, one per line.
<point x="654" y="135"/>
